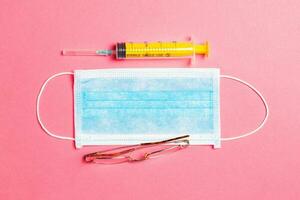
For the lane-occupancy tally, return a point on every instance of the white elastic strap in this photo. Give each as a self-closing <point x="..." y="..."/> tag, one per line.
<point x="38" y="106"/>
<point x="263" y="100"/>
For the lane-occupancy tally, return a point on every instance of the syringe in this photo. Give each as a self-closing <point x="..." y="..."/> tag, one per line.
<point x="131" y="50"/>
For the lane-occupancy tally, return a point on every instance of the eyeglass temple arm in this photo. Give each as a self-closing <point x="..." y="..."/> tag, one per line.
<point x="164" y="141"/>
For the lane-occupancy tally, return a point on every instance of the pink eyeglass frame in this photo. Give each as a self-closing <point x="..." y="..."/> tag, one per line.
<point x="113" y="156"/>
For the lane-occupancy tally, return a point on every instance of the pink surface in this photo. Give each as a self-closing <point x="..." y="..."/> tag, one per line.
<point x="257" y="41"/>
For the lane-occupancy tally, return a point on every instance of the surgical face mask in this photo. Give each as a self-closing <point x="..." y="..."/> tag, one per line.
<point x="130" y="106"/>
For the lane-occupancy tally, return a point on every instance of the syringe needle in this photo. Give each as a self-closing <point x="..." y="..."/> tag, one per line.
<point x="86" y="52"/>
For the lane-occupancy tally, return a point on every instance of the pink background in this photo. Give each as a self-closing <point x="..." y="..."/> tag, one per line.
<point x="255" y="40"/>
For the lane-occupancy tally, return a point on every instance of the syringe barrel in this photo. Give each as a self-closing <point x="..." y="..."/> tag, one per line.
<point x="127" y="50"/>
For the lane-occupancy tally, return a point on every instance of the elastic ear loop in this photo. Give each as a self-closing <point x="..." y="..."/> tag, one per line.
<point x="38" y="106"/>
<point x="263" y="100"/>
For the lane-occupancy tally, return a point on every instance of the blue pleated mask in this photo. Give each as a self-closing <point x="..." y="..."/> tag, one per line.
<point x="134" y="105"/>
<point x="129" y="106"/>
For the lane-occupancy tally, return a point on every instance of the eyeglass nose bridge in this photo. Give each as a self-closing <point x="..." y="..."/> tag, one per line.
<point x="143" y="158"/>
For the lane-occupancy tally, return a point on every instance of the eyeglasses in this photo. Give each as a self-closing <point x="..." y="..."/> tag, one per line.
<point x="122" y="154"/>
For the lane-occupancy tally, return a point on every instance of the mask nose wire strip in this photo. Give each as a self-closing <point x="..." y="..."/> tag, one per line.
<point x="264" y="102"/>
<point x="38" y="106"/>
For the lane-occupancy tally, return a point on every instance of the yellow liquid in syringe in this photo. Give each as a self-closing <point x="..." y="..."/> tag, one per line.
<point x="160" y="49"/>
